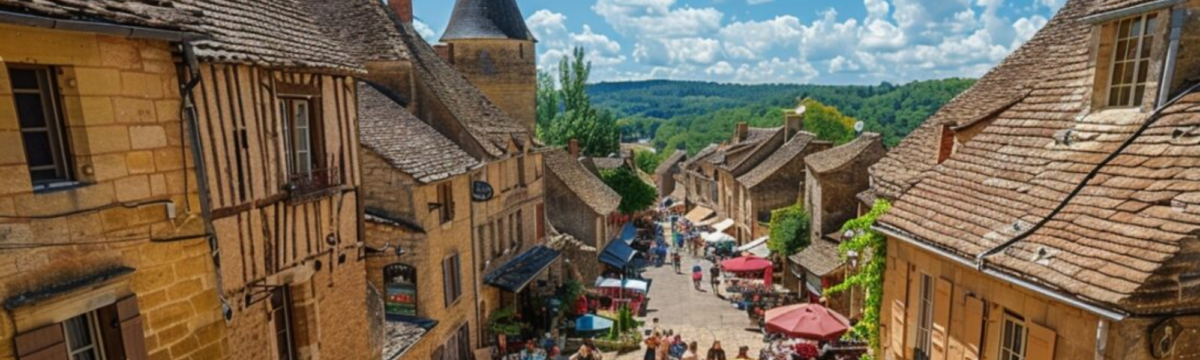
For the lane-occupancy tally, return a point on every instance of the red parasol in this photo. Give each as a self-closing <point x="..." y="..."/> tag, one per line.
<point x="808" y="321"/>
<point x="745" y="263"/>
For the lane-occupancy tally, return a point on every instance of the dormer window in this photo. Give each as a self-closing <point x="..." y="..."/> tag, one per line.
<point x="1131" y="42"/>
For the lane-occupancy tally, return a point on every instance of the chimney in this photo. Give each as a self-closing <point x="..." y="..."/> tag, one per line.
<point x="573" y="148"/>
<point x="793" y="123"/>
<point x="743" y="130"/>
<point x="403" y="10"/>
<point x="446" y="52"/>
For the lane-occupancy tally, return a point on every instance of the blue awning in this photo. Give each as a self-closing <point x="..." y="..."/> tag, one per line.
<point x="516" y="274"/>
<point x="617" y="254"/>
<point x="628" y="233"/>
<point x="591" y="322"/>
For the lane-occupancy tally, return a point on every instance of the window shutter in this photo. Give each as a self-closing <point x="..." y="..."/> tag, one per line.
<point x="1041" y="342"/>
<point x="45" y="343"/>
<point x="446" y="280"/>
<point x="132" y="336"/>
<point x="973" y="329"/>
<point x="941" y="319"/>
<point x="541" y="221"/>
<point x="899" y="306"/>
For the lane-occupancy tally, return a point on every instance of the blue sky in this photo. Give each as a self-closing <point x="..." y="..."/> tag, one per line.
<point x="774" y="41"/>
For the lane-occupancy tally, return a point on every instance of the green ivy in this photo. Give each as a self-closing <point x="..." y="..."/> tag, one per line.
<point x="789" y="230"/>
<point x="872" y="245"/>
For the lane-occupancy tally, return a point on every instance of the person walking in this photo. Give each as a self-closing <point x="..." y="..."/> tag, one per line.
<point x="651" y="347"/>
<point x="587" y="352"/>
<point x="715" y="352"/>
<point x="697" y="275"/>
<point x="743" y="353"/>
<point x="690" y="353"/>
<point x="663" y="352"/>
<point x="714" y="274"/>
<point x="676" y="260"/>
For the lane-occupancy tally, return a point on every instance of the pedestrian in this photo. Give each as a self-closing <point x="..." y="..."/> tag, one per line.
<point x="743" y="353"/>
<point x="697" y="276"/>
<point x="678" y="262"/>
<point x="548" y="343"/>
<point x="690" y="353"/>
<point x="663" y="352"/>
<point x="587" y="352"/>
<point x="678" y="347"/>
<point x="714" y="273"/>
<point x="655" y="322"/>
<point x="651" y="347"/>
<point x="715" y="352"/>
<point x="532" y="352"/>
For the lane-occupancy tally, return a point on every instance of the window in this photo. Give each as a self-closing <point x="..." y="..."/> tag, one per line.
<point x="83" y="337"/>
<point x="925" y="319"/>
<point x="457" y="347"/>
<point x="1128" y="76"/>
<point x="445" y="195"/>
<point x="300" y="143"/>
<point x="281" y="316"/>
<point x="521" y="170"/>
<point x="43" y="130"/>
<point x="496" y="248"/>
<point x="483" y="250"/>
<point x="451" y="279"/>
<point x="520" y="230"/>
<point x="1012" y="341"/>
<point x="503" y="241"/>
<point x="541" y="221"/>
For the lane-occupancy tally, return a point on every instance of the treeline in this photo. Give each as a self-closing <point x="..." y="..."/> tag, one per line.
<point x="691" y="115"/>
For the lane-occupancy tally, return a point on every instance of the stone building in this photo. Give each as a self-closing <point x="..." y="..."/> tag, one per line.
<point x="775" y="183"/>
<point x="1065" y="228"/>
<point x="664" y="175"/>
<point x="699" y="176"/>
<point x="488" y="42"/>
<point x="580" y="205"/>
<point x="100" y="216"/>
<point x="417" y="195"/>
<point x="832" y="180"/>
<point x="510" y="222"/>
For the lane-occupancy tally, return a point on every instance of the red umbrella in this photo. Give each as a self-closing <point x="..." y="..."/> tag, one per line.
<point x="808" y="321"/>
<point x="745" y="263"/>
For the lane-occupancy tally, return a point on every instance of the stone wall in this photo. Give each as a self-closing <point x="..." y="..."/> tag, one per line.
<point x="506" y="72"/>
<point x="569" y="214"/>
<point x="120" y="103"/>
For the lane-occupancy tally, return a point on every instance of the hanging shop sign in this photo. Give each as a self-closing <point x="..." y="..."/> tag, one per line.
<point x="401" y="283"/>
<point x="481" y="191"/>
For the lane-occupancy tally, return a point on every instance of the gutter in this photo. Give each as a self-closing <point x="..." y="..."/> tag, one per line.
<point x="1110" y="315"/>
<point x="1130" y="11"/>
<point x="135" y="32"/>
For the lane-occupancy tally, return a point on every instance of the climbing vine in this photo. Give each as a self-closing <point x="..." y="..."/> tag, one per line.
<point x="872" y="246"/>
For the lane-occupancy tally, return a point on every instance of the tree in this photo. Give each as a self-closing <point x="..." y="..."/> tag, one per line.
<point x="547" y="101"/>
<point x="596" y="130"/>
<point x="789" y="230"/>
<point x="636" y="195"/>
<point x="647" y="161"/>
<point x="866" y="243"/>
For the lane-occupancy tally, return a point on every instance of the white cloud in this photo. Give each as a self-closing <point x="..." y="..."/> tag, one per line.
<point x="721" y="69"/>
<point x="657" y="18"/>
<point x="749" y="40"/>
<point x="1027" y="27"/>
<point x="556" y="41"/>
<point x="427" y="33"/>
<point x="776" y="71"/>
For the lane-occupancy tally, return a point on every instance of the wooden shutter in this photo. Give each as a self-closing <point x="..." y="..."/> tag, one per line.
<point x="941" y="319"/>
<point x="1041" y="342"/>
<point x="45" y="343"/>
<point x="541" y="222"/>
<point x="132" y="336"/>
<point x="446" y="280"/>
<point x="899" y="306"/>
<point x="972" y="331"/>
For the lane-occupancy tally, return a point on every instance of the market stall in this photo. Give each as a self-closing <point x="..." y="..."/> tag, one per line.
<point x="627" y="292"/>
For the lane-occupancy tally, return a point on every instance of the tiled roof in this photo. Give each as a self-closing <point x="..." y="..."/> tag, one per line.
<point x="820" y="258"/>
<point x="838" y="157"/>
<point x="147" y="13"/>
<point x="275" y="33"/>
<point x="702" y="154"/>
<point x="486" y="19"/>
<point x="675" y="158"/>
<point x="867" y="197"/>
<point x="786" y="153"/>
<point x="598" y="196"/>
<point x="607" y="163"/>
<point x="740" y="157"/>
<point x="363" y="28"/>
<point x="1120" y="240"/>
<point x="404" y="141"/>
<point x="1104" y="6"/>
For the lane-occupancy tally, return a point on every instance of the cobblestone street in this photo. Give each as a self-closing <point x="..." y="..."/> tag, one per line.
<point x="696" y="315"/>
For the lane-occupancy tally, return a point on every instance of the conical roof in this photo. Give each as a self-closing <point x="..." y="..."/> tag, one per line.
<point x="487" y="19"/>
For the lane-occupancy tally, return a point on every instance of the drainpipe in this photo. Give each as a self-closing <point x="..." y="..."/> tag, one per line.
<point x="1164" y="87"/>
<point x="1101" y="338"/>
<point x="189" y="113"/>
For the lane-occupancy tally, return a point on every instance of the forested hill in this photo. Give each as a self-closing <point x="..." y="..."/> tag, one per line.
<point x="678" y="114"/>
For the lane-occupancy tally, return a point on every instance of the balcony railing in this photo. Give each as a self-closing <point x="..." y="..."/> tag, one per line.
<point x="312" y="184"/>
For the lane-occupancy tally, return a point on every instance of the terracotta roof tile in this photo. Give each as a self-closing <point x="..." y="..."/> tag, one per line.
<point x="371" y="35"/>
<point x="147" y="13"/>
<point x="597" y="195"/>
<point x="821" y="257"/>
<point x="833" y="159"/>
<point x="406" y="142"/>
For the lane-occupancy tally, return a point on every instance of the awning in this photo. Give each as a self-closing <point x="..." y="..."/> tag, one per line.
<point x="617" y="254"/>
<point x="591" y="322"/>
<point x="699" y="213"/>
<point x="716" y="237"/>
<point x="723" y="225"/>
<point x="628" y="284"/>
<point x="628" y="233"/>
<point x="757" y="247"/>
<point x="708" y="222"/>
<point x="516" y="274"/>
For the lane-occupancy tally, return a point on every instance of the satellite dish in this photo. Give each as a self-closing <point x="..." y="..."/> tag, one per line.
<point x="858" y="126"/>
<point x="801" y="109"/>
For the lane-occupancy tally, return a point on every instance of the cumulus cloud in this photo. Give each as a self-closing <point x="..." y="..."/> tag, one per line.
<point x="427" y="33"/>
<point x="556" y="41"/>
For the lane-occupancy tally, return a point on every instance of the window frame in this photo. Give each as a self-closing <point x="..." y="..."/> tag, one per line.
<point x="54" y="126"/>
<point x="289" y="106"/>
<point x="1011" y="321"/>
<point x="92" y="323"/>
<point x="1144" y="41"/>
<point x="289" y="324"/>
<point x="923" y="344"/>
<point x="452" y="279"/>
<point x="445" y="195"/>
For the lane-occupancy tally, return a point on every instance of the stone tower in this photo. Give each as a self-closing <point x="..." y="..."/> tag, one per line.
<point x="488" y="42"/>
